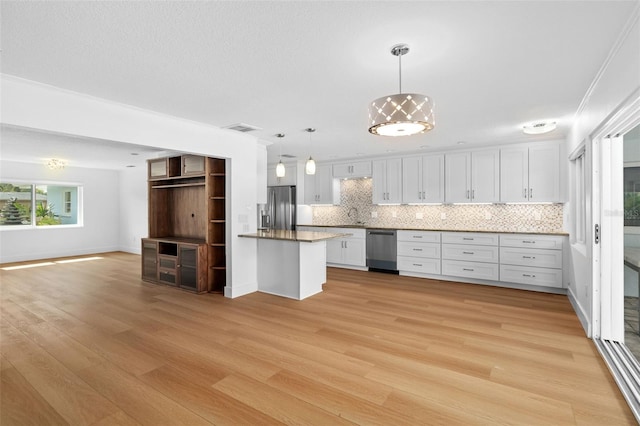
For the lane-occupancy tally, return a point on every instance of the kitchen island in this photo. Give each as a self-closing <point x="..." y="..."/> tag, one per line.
<point x="292" y="264"/>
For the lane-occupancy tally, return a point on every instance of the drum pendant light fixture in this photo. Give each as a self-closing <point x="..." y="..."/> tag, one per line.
<point x="310" y="166"/>
<point x="402" y="114"/>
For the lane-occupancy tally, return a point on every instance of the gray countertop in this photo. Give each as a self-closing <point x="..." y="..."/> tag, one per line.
<point x="299" y="236"/>
<point x="440" y="230"/>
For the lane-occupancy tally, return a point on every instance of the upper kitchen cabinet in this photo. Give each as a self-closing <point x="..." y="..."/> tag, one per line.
<point x="321" y="188"/>
<point x="387" y="181"/>
<point x="423" y="179"/>
<point x="359" y="169"/>
<point x="289" y="178"/>
<point x="472" y="177"/>
<point x="530" y="173"/>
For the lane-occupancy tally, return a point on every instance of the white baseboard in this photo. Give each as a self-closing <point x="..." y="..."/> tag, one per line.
<point x="582" y="315"/>
<point x="240" y="290"/>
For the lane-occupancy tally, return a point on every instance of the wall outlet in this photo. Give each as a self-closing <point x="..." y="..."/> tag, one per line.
<point x="487" y="216"/>
<point x="537" y="216"/>
<point x="374" y="215"/>
<point x="394" y="214"/>
<point x="419" y="216"/>
<point x="443" y="216"/>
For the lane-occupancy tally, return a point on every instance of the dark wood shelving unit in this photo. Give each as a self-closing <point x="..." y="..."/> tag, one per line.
<point x="186" y="246"/>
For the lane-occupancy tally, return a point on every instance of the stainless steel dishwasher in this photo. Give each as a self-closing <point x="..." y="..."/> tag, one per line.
<point x="382" y="250"/>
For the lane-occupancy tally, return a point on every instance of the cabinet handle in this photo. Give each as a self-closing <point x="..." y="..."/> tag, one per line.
<point x="417" y="236"/>
<point x="529" y="275"/>
<point x="530" y="193"/>
<point x="468" y="269"/>
<point x="467" y="252"/>
<point x="467" y="239"/>
<point x="473" y="194"/>
<point x="415" y="249"/>
<point x="524" y="193"/>
<point x="467" y="194"/>
<point x="528" y="257"/>
<point x="345" y="244"/>
<point x="423" y="196"/>
<point x="528" y="242"/>
<point x="417" y="264"/>
<point x="419" y="195"/>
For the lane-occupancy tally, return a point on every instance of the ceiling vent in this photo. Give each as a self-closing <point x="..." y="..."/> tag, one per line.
<point x="241" y="127"/>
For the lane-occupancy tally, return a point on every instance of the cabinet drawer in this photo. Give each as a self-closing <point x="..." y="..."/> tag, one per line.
<point x="531" y="257"/>
<point x="550" y="242"/>
<point x="528" y="275"/>
<point x="167" y="262"/>
<point x="470" y="238"/>
<point x="457" y="268"/>
<point x="423" y="236"/>
<point x="472" y="253"/>
<point x="356" y="233"/>
<point x="417" y="264"/>
<point x="167" y="277"/>
<point x="422" y="250"/>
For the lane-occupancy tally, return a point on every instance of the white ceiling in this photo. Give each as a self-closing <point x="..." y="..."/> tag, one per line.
<point x="490" y="66"/>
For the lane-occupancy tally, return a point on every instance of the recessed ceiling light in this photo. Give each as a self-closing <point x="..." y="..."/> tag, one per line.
<point x="360" y="153"/>
<point x="424" y="146"/>
<point x="461" y="142"/>
<point x="391" y="150"/>
<point x="539" y="127"/>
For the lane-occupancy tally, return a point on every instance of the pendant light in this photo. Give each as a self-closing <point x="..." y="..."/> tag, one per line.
<point x="310" y="166"/>
<point x="402" y="114"/>
<point x="280" y="170"/>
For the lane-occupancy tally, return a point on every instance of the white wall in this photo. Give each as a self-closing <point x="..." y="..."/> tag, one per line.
<point x="37" y="106"/>
<point x="617" y="80"/>
<point x="101" y="215"/>
<point x="133" y="214"/>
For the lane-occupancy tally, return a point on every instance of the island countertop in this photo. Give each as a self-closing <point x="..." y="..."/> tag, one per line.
<point x="287" y="235"/>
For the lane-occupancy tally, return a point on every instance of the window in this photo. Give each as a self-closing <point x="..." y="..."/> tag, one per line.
<point x="26" y="205"/>
<point x="578" y="196"/>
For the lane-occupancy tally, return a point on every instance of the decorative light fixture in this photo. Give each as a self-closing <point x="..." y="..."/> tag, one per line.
<point x="310" y="166"/>
<point x="402" y="114"/>
<point x="539" y="127"/>
<point x="56" y="164"/>
<point x="280" y="170"/>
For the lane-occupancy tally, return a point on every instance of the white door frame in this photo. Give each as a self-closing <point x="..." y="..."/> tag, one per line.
<point x="607" y="207"/>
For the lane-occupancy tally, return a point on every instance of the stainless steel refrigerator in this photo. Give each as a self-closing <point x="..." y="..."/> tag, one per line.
<point x="281" y="207"/>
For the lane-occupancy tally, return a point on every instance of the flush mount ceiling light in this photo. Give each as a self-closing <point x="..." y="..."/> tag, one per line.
<point x="402" y="114"/>
<point x="280" y="170"/>
<point x="56" y="164"/>
<point x="310" y="166"/>
<point x="539" y="127"/>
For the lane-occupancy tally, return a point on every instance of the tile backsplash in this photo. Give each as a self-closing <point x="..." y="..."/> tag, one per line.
<point x="355" y="206"/>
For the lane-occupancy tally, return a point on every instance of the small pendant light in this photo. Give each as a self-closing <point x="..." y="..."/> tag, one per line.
<point x="310" y="166"/>
<point x="280" y="170"/>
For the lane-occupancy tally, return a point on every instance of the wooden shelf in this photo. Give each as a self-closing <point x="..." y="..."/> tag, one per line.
<point x="177" y="185"/>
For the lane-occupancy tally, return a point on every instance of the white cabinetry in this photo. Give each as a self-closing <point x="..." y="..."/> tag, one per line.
<point x="289" y="178"/>
<point x="531" y="259"/>
<point x="419" y="251"/>
<point x="472" y="177"/>
<point x="357" y="169"/>
<point x="530" y="174"/>
<point x="321" y="188"/>
<point x="347" y="251"/>
<point x="423" y="179"/>
<point x="387" y="181"/>
<point x="470" y="255"/>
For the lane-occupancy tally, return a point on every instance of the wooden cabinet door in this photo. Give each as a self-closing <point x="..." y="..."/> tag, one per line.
<point x="412" y="180"/>
<point x="485" y="176"/>
<point x="432" y="179"/>
<point x="514" y="175"/>
<point x="544" y="173"/>
<point x="149" y="260"/>
<point x="457" y="177"/>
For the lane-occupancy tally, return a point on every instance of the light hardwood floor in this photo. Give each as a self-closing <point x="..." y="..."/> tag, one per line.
<point x="90" y="343"/>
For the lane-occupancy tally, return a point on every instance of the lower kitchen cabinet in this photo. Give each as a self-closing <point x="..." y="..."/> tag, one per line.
<point x="419" y="251"/>
<point x="346" y="252"/>
<point x="175" y="262"/>
<point x="531" y="259"/>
